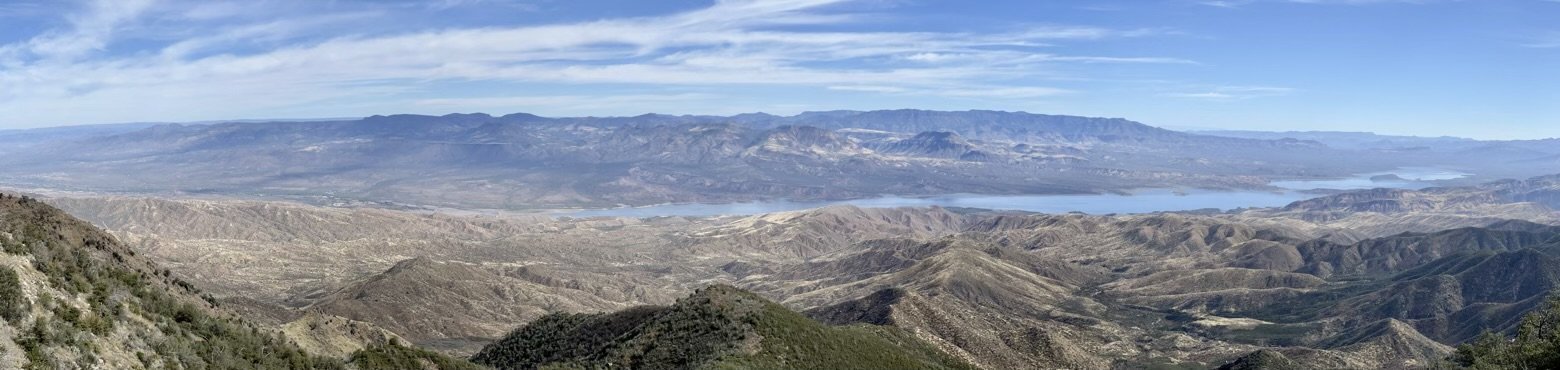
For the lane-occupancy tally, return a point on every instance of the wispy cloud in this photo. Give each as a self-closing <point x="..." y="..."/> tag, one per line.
<point x="1238" y="3"/>
<point x="508" y="4"/>
<point x="22" y="9"/>
<point x="869" y="88"/>
<point x="1229" y="93"/>
<point x="273" y="64"/>
<point x="1019" y="58"/>
<point x="581" y="103"/>
<point x="89" y="30"/>
<point x="1007" y="92"/>
<point x="1546" y="41"/>
<point x="1018" y="92"/>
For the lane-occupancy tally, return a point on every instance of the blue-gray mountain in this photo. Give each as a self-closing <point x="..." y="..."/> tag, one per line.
<point x="527" y="161"/>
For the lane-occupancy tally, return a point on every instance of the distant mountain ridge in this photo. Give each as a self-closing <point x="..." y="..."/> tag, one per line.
<point x="976" y="123"/>
<point x="990" y="125"/>
<point x="527" y="161"/>
<point x="1543" y="191"/>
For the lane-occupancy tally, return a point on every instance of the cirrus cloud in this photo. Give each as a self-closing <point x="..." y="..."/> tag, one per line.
<point x="231" y="66"/>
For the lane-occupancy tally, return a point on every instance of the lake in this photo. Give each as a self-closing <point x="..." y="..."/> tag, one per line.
<point x="1144" y="201"/>
<point x="1408" y="178"/>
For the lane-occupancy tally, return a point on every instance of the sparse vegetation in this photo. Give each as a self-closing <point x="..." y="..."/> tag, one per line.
<point x="394" y="356"/>
<point x="13" y="301"/>
<point x="795" y="342"/>
<point x="1262" y="360"/>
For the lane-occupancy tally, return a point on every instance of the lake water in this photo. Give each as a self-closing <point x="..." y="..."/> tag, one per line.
<point x="1145" y="201"/>
<point x="1410" y="178"/>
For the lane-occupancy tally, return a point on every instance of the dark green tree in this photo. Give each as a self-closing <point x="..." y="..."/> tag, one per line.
<point x="1535" y="346"/>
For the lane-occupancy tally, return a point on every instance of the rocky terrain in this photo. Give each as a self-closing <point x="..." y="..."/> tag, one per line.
<point x="1326" y="282"/>
<point x="522" y="161"/>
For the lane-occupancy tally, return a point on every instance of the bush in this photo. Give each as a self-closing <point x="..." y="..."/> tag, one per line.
<point x="13" y="301"/>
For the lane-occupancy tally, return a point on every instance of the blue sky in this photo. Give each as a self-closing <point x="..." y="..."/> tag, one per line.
<point x="1474" y="68"/>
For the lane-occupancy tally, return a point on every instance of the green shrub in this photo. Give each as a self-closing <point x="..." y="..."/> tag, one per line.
<point x="14" y="247"/>
<point x="393" y="356"/>
<point x="13" y="301"/>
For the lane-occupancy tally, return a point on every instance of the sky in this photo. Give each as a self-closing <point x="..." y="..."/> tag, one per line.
<point x="1473" y="68"/>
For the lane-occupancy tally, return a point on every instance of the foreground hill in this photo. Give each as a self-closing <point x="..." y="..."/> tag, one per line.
<point x="72" y="297"/>
<point x="717" y="327"/>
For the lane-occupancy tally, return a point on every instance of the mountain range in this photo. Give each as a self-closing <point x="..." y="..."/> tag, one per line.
<point x="523" y="161"/>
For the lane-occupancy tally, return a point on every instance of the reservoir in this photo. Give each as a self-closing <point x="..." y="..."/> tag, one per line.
<point x="1143" y="201"/>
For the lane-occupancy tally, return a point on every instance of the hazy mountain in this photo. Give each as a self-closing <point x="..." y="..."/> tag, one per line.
<point x="991" y="125"/>
<point x="1355" y="140"/>
<point x="526" y="161"/>
<point x="1542" y="191"/>
<point x="1491" y="158"/>
<point x="30" y="139"/>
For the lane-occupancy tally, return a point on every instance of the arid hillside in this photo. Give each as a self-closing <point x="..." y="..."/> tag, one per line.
<point x="1356" y="288"/>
